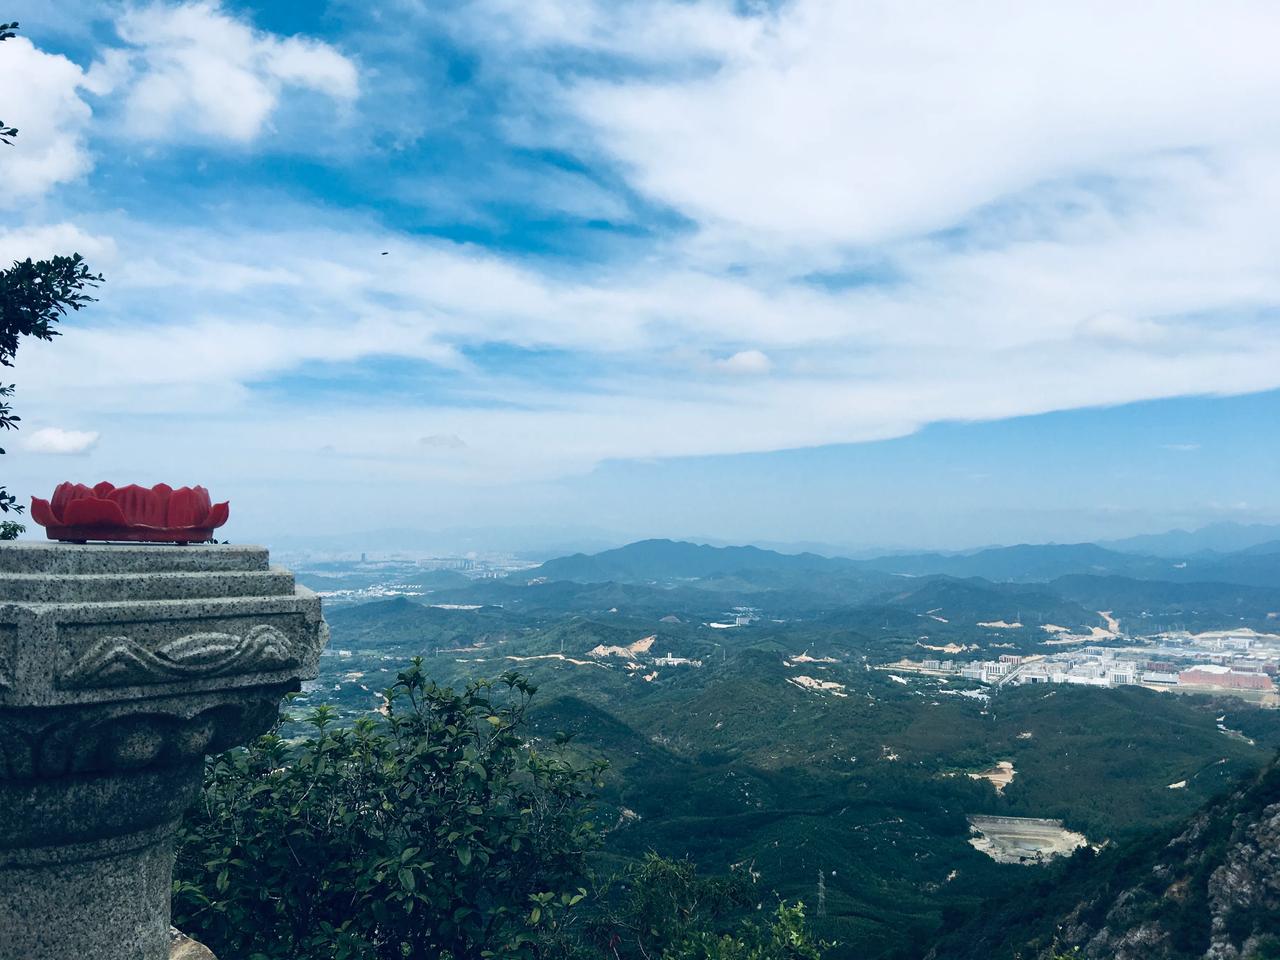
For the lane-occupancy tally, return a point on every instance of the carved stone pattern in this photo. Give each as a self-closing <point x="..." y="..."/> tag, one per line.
<point x="75" y="741"/>
<point x="123" y="662"/>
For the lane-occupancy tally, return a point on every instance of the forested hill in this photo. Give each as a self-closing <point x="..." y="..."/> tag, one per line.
<point x="1208" y="888"/>
<point x="649" y="561"/>
<point x="1027" y="562"/>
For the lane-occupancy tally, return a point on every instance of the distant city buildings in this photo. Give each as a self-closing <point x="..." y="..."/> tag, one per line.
<point x="1223" y="660"/>
<point x="670" y="661"/>
<point x="1213" y="675"/>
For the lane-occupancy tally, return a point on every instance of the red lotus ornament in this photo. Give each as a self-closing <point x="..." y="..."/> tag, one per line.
<point x="160" y="514"/>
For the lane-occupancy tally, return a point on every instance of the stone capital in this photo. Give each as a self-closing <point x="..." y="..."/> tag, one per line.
<point x="120" y="668"/>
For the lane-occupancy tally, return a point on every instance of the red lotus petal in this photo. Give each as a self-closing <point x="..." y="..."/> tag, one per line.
<point x="185" y="509"/>
<point x="218" y="514"/>
<point x="103" y="490"/>
<point x="202" y="506"/>
<point x="42" y="513"/>
<point x="160" y="495"/>
<point x="136" y="503"/>
<point x="61" y="494"/>
<point x="93" y="513"/>
<point x="64" y="493"/>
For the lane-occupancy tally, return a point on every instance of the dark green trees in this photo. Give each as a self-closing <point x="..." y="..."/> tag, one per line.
<point x="437" y="831"/>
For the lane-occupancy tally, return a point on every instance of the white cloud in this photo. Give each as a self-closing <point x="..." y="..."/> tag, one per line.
<point x="1055" y="217"/>
<point x="193" y="68"/>
<point x="657" y="31"/>
<point x="968" y="333"/>
<point x="861" y="122"/>
<point x="39" y="95"/>
<point x="443" y="441"/>
<point x="186" y="69"/>
<point x="1121" y="329"/>
<point x="46" y="240"/>
<point x="750" y="362"/>
<point x="60" y="441"/>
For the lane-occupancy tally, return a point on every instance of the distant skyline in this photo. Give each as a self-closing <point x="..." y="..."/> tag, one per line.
<point x="802" y="271"/>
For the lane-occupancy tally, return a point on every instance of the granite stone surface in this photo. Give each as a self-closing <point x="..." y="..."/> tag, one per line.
<point x="120" y="668"/>
<point x="72" y="558"/>
<point x="182" y="947"/>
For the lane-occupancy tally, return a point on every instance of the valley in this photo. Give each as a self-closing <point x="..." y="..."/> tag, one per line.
<point x="794" y="716"/>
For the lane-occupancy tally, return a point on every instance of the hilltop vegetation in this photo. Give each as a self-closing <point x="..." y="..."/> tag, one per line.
<point x="665" y="561"/>
<point x="657" y="560"/>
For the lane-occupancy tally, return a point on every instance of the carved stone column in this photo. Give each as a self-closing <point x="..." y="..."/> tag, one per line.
<point x="120" y="668"/>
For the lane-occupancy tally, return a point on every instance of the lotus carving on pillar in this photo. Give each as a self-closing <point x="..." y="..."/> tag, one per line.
<point x="150" y="514"/>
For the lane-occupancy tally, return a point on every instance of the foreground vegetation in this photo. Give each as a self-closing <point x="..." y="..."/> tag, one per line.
<point x="438" y="830"/>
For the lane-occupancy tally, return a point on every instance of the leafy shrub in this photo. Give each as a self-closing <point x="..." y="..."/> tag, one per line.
<point x="435" y="831"/>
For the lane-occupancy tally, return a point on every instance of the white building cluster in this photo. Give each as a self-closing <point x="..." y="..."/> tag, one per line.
<point x="1222" y="660"/>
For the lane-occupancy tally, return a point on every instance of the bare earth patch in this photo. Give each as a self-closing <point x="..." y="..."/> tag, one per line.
<point x="999" y="776"/>
<point x="805" y="658"/>
<point x="559" y="656"/>
<point x="629" y="652"/>
<point x="1024" y="840"/>
<point x="819" y="686"/>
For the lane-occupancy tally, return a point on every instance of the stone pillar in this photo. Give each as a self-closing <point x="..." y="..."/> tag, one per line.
<point x="120" y="668"/>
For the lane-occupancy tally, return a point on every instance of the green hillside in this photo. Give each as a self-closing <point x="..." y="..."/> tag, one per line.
<point x="1207" y="886"/>
<point x="736" y="764"/>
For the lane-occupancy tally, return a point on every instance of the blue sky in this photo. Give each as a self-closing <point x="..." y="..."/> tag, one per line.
<point x="854" y="272"/>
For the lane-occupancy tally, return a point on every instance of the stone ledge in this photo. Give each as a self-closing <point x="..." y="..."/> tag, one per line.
<point x="26" y="556"/>
<point x="182" y="947"/>
<point x="105" y="587"/>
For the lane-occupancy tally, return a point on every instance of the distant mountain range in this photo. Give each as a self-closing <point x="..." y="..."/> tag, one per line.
<point x="652" y="560"/>
<point x="1224" y="537"/>
<point x="659" y="561"/>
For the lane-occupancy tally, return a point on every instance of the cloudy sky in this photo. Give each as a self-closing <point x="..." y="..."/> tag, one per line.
<point x="861" y="272"/>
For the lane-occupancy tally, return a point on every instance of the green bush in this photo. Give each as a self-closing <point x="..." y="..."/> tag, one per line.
<point x="435" y="831"/>
<point x="784" y="939"/>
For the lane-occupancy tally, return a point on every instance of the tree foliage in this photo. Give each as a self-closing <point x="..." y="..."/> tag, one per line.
<point x="7" y="32"/>
<point x="437" y="830"/>
<point x="34" y="296"/>
<point x="663" y="908"/>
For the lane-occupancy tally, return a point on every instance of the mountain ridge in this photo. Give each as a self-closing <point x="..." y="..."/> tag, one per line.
<point x="659" y="560"/>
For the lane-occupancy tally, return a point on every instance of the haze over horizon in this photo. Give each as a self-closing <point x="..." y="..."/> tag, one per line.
<point x="757" y="272"/>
